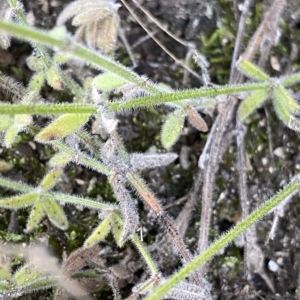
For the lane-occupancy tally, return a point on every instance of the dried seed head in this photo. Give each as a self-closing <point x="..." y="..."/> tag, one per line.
<point x="196" y="120"/>
<point x="97" y="22"/>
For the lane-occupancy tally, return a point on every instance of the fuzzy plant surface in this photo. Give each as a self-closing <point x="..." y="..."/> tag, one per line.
<point x="87" y="204"/>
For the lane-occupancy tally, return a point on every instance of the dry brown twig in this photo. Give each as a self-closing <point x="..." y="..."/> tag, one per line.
<point x="141" y="23"/>
<point x="224" y="121"/>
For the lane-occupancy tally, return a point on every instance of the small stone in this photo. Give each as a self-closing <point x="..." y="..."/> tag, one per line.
<point x="273" y="266"/>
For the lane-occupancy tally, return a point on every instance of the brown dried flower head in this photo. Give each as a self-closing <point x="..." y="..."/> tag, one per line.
<point x="97" y="22"/>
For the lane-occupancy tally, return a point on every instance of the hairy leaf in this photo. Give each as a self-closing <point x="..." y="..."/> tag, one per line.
<point x="141" y="161"/>
<point x="37" y="81"/>
<point x="35" y="63"/>
<point x="99" y="233"/>
<point x="188" y="291"/>
<point x="285" y="98"/>
<point x="130" y="215"/>
<point x="55" y="213"/>
<point x="251" y="70"/>
<point x="17" y="202"/>
<point x="60" y="159"/>
<point x="107" y="81"/>
<point x="36" y="215"/>
<point x="252" y="102"/>
<point x="61" y="127"/>
<point x="283" y="113"/>
<point x="117" y="230"/>
<point x="50" y="179"/>
<point x="26" y="275"/>
<point x="172" y="128"/>
<point x="20" y="123"/>
<point x="54" y="79"/>
<point x="6" y="122"/>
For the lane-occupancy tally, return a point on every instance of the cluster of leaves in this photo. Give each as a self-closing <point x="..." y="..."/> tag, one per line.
<point x="98" y="22"/>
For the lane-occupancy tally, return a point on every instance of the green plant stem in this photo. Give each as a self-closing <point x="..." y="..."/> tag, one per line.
<point x="142" y="249"/>
<point x="94" y="144"/>
<point x="198" y="93"/>
<point x="185" y="94"/>
<point x="66" y="44"/>
<point x="62" y="198"/>
<point x="145" y="254"/>
<point x="224" y="240"/>
<point x="46" y="109"/>
<point x="82" y="159"/>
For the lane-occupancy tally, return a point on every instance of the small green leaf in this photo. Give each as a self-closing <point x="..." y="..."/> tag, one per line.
<point x="284" y="111"/>
<point x="61" y="127"/>
<point x="4" y="166"/>
<point x="284" y="97"/>
<point x="99" y="233"/>
<point x="283" y="114"/>
<point x="37" y="81"/>
<point x="59" y="32"/>
<point x="6" y="122"/>
<point x="251" y="70"/>
<point x="60" y="159"/>
<point x="196" y="120"/>
<point x="55" y="213"/>
<point x="36" y="215"/>
<point x="35" y="63"/>
<point x="11" y="134"/>
<point x="107" y="81"/>
<point x="53" y="79"/>
<point x="26" y="275"/>
<point x="61" y="58"/>
<point x="41" y="283"/>
<point x="21" y="201"/>
<point x="50" y="179"/>
<point x="20" y="123"/>
<point x="117" y="230"/>
<point x="172" y="128"/>
<point x="252" y="102"/>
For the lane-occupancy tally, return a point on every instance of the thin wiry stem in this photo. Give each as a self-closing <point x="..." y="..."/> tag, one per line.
<point x="272" y="20"/>
<point x="223" y="121"/>
<point x="239" y="38"/>
<point x="223" y="241"/>
<point x="178" y="61"/>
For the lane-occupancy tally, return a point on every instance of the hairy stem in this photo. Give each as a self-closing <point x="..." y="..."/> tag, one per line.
<point x="224" y="240"/>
